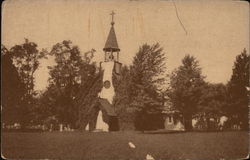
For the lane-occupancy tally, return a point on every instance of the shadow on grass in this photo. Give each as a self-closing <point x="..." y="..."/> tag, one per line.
<point x="162" y="131"/>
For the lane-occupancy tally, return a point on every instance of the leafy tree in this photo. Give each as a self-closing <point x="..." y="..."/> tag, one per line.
<point x="237" y="87"/>
<point x="148" y="65"/>
<point x="213" y="101"/>
<point x="68" y="78"/>
<point x="186" y="86"/>
<point x="47" y="103"/>
<point x="64" y="81"/>
<point x="122" y="99"/>
<point x="87" y="102"/>
<point x="12" y="89"/>
<point x="26" y="59"/>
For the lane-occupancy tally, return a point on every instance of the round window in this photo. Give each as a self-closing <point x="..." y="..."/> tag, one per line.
<point x="107" y="84"/>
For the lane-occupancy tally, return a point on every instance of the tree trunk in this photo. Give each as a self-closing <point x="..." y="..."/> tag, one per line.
<point x="188" y="122"/>
<point x="245" y="123"/>
<point x="208" y="126"/>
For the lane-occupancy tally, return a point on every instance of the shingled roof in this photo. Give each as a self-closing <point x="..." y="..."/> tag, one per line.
<point x="111" y="43"/>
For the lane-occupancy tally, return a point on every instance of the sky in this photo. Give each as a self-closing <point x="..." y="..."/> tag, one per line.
<point x="216" y="31"/>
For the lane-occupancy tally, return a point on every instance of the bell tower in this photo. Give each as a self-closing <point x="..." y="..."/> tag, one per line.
<point x="110" y="67"/>
<point x="111" y="48"/>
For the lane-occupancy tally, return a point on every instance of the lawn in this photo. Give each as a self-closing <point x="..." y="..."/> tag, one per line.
<point x="114" y="145"/>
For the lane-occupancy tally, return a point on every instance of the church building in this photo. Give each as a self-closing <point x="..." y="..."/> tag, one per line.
<point x="109" y="67"/>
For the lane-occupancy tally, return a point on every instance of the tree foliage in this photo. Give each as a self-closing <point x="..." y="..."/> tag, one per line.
<point x="122" y="99"/>
<point x="186" y="84"/>
<point x="12" y="89"/>
<point x="146" y="70"/>
<point x="64" y="81"/>
<point x="26" y="58"/>
<point x="238" y="93"/>
<point x="213" y="100"/>
<point x="212" y="104"/>
<point x="71" y="97"/>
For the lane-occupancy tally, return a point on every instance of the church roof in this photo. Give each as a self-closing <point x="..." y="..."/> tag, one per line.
<point x="111" y="43"/>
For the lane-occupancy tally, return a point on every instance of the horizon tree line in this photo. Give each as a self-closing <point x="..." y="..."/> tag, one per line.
<point x="139" y="99"/>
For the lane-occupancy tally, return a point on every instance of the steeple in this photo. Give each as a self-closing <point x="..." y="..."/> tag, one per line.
<point x="111" y="44"/>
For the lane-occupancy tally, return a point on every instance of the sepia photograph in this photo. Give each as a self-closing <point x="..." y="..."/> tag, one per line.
<point x="125" y="80"/>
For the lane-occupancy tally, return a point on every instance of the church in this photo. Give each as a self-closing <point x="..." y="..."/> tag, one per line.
<point x="101" y="115"/>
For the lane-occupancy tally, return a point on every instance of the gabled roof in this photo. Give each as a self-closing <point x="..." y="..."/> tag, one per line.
<point x="111" y="43"/>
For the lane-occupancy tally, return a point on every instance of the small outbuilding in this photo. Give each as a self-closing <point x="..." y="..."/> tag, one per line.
<point x="173" y="120"/>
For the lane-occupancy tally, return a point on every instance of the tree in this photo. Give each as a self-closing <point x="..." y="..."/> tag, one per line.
<point x="212" y="103"/>
<point x="146" y="70"/>
<point x="186" y="85"/>
<point x="71" y="74"/>
<point x="238" y="94"/>
<point x="26" y="59"/>
<point x="122" y="98"/>
<point x="64" y="81"/>
<point x="47" y="104"/>
<point x="12" y="89"/>
<point x="87" y="102"/>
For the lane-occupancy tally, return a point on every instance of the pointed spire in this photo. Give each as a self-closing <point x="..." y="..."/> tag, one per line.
<point x="111" y="43"/>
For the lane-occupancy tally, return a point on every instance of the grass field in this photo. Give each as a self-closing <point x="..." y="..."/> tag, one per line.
<point x="114" y="145"/>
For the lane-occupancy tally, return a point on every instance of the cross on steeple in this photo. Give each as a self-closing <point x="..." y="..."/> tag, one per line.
<point x="111" y="44"/>
<point x="112" y="15"/>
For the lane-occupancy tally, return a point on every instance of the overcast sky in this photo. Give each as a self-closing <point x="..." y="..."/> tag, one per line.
<point x="217" y="31"/>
